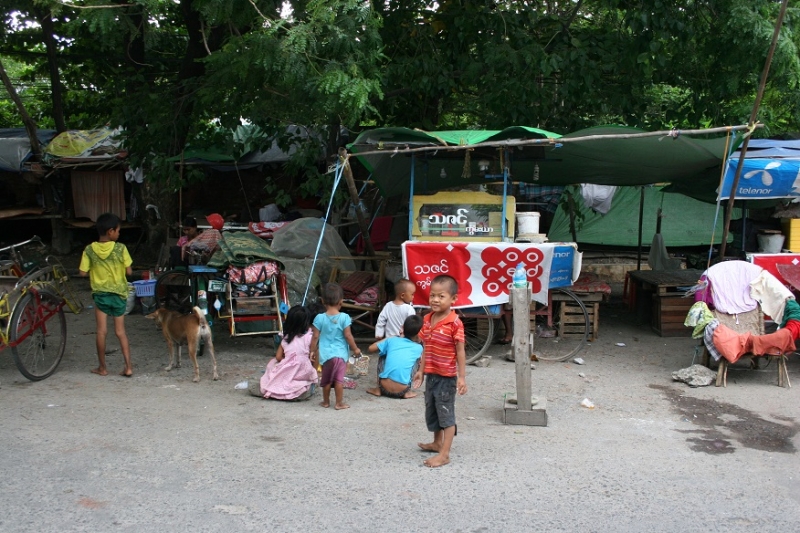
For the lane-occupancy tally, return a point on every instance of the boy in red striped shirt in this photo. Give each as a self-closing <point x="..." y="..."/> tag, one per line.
<point x="444" y="363"/>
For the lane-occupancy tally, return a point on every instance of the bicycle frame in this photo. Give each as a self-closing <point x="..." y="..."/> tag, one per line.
<point x="43" y="314"/>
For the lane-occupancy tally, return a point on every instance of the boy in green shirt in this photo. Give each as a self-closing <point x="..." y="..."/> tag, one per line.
<point x="107" y="263"/>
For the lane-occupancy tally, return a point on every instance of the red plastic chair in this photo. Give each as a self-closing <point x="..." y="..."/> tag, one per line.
<point x="379" y="234"/>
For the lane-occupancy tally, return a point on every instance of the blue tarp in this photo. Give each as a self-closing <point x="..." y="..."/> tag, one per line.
<point x="15" y="146"/>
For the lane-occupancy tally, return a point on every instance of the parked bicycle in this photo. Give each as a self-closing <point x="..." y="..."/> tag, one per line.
<point x="33" y="325"/>
<point x="37" y="267"/>
<point x="560" y="330"/>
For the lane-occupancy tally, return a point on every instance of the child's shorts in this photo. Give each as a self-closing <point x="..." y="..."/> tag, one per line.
<point x="440" y="401"/>
<point x="110" y="303"/>
<point x="333" y="371"/>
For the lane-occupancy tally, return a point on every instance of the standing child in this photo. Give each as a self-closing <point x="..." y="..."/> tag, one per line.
<point x="332" y="336"/>
<point x="107" y="262"/>
<point x="390" y="321"/>
<point x="291" y="375"/>
<point x="399" y="357"/>
<point x="444" y="363"/>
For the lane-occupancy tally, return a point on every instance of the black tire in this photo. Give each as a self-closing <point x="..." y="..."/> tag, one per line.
<point x="478" y="331"/>
<point x="567" y="338"/>
<point x="38" y="334"/>
<point x="174" y="291"/>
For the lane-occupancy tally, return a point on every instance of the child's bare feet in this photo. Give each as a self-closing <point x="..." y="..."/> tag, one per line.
<point x="436" y="461"/>
<point x="100" y="371"/>
<point x="410" y="394"/>
<point x="324" y="404"/>
<point x="126" y="372"/>
<point x="339" y="406"/>
<point x="375" y="391"/>
<point x="429" y="446"/>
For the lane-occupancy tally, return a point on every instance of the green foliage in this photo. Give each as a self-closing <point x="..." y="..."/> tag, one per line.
<point x="178" y="74"/>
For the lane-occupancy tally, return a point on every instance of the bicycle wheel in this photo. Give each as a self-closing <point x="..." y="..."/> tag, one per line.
<point x="570" y="328"/>
<point x="38" y="334"/>
<point x="478" y="331"/>
<point x="174" y="291"/>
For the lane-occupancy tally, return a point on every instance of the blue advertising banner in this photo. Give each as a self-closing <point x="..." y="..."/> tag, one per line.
<point x="561" y="267"/>
<point x="763" y="179"/>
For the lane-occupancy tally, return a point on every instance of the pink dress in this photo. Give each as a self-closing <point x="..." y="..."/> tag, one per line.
<point x="294" y="375"/>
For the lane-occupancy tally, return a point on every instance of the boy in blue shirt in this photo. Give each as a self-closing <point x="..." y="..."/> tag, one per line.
<point x="399" y="358"/>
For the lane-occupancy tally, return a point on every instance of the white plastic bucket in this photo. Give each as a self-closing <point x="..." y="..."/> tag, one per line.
<point x="527" y="223"/>
<point x="770" y="243"/>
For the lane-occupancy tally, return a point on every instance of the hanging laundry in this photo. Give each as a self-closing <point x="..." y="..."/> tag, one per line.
<point x="730" y="286"/>
<point x="598" y="197"/>
<point x="699" y="317"/>
<point x="772" y="294"/>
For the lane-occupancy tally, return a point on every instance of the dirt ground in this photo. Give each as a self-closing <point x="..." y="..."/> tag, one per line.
<point x="157" y="452"/>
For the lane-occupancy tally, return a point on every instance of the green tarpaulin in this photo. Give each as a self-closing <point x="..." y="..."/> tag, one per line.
<point x="633" y="161"/>
<point x="685" y="221"/>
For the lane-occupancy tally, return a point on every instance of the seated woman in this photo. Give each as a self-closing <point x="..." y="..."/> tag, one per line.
<point x="207" y="242"/>
<point x="399" y="360"/>
<point x="291" y="374"/>
<point x="189" y="229"/>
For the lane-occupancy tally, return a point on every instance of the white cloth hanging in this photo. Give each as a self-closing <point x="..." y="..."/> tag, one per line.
<point x="598" y="197"/>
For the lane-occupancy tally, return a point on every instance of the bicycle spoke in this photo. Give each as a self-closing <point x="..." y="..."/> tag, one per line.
<point x="569" y="332"/>
<point x="38" y="334"/>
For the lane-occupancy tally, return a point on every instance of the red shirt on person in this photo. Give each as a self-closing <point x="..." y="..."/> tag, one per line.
<point x="440" y="344"/>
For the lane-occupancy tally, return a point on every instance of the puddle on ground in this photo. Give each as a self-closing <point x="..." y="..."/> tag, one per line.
<point x="720" y="423"/>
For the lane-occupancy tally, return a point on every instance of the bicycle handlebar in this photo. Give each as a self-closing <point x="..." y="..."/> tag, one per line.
<point x="35" y="238"/>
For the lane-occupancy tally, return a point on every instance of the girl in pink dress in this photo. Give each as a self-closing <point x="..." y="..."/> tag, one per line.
<point x="291" y="374"/>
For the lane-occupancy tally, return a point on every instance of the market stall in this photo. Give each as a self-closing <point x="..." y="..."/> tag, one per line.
<point x="470" y="235"/>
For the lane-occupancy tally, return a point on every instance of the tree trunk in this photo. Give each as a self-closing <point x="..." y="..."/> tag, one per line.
<point x="30" y="125"/>
<point x="52" y="62"/>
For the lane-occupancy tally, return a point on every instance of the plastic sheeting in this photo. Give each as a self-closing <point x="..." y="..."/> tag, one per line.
<point x="297" y="273"/>
<point x="101" y="143"/>
<point x="15" y="147"/>
<point x="686" y="222"/>
<point x="299" y="239"/>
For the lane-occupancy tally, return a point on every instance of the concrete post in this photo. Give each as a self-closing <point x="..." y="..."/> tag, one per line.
<point x="521" y="302"/>
<point x="522" y="410"/>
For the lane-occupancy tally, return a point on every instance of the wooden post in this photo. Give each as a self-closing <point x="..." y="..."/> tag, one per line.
<point x="523" y="412"/>
<point x="351" y="188"/>
<point x="521" y="303"/>
<point x="751" y="124"/>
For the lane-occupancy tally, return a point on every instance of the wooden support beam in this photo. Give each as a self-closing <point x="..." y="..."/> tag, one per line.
<point x="351" y="188"/>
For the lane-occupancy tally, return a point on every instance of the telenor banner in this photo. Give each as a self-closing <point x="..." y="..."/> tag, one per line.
<point x="762" y="179"/>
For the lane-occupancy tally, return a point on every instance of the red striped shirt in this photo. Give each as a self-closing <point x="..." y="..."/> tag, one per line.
<point x="440" y="344"/>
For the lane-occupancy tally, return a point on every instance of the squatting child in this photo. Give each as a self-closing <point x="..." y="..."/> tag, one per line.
<point x="399" y="357"/>
<point x="390" y="321"/>
<point x="107" y="263"/>
<point x="330" y="341"/>
<point x="290" y="375"/>
<point x="444" y="366"/>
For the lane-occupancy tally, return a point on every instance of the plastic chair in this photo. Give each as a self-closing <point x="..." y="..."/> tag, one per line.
<point x="379" y="234"/>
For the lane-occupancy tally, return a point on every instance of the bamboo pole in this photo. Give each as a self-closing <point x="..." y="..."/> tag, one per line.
<point x="347" y="171"/>
<point x="396" y="148"/>
<point x="751" y="126"/>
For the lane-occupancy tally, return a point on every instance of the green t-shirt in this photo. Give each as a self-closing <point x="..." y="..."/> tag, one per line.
<point x="106" y="263"/>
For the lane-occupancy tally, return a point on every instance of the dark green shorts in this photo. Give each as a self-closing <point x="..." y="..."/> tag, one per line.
<point x="109" y="303"/>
